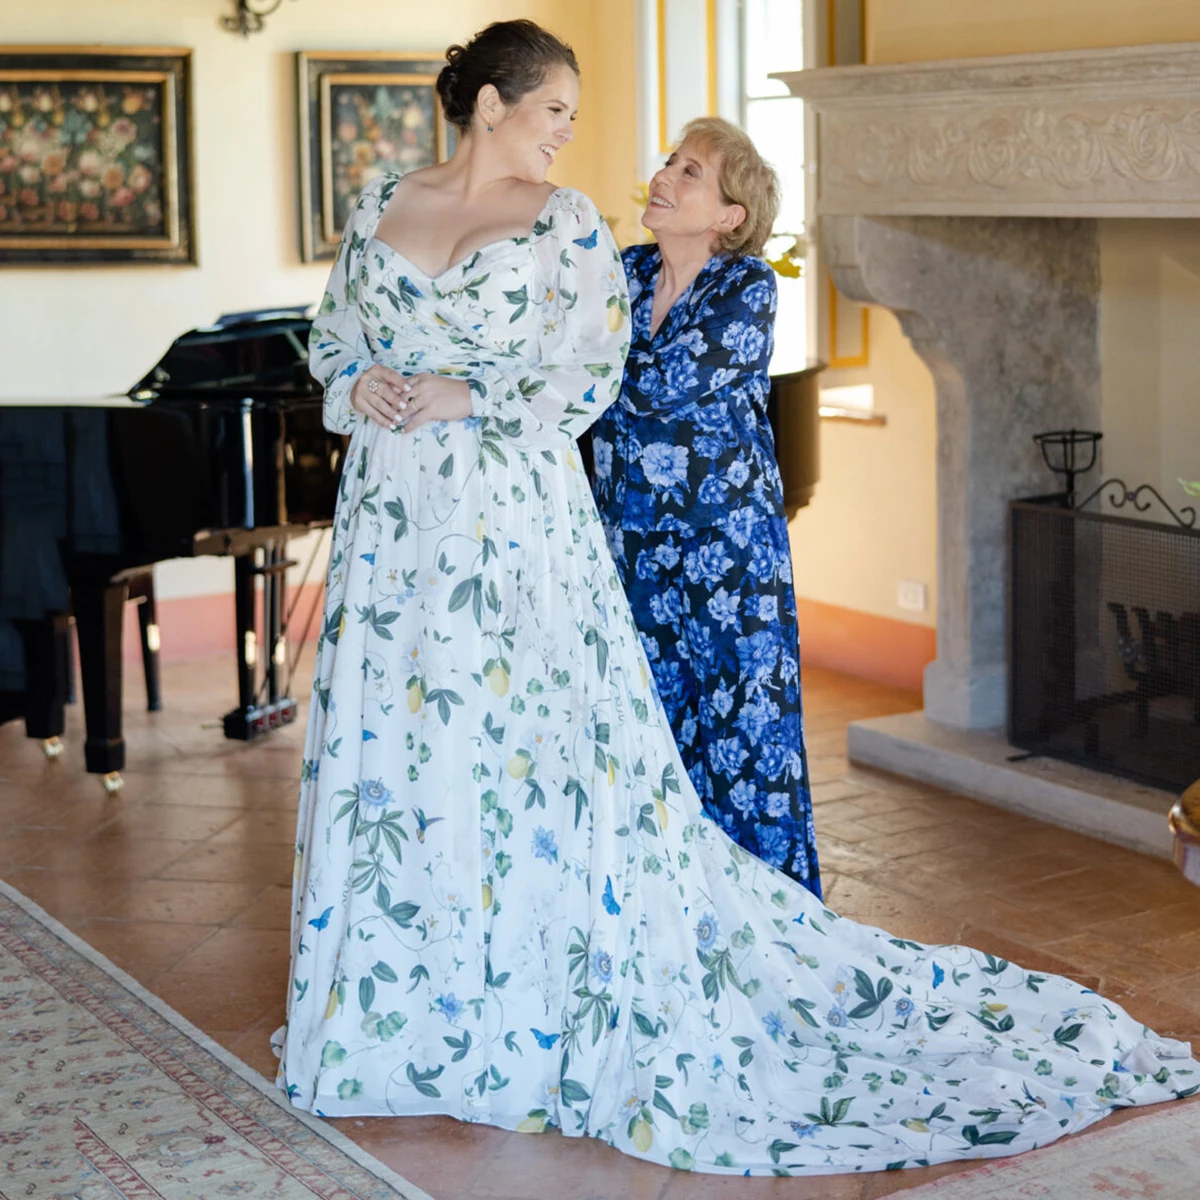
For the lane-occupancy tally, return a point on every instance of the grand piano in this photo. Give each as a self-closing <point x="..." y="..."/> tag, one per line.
<point x="219" y="449"/>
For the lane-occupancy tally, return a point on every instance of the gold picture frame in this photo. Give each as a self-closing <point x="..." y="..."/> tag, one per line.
<point x="849" y="323"/>
<point x="361" y="112"/>
<point x="95" y="155"/>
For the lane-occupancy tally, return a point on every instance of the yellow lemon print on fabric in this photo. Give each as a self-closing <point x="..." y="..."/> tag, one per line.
<point x="487" y="903"/>
<point x="645" y="677"/>
<point x="643" y="1135"/>
<point x="915" y="1125"/>
<point x="571" y="460"/>
<point x="518" y="767"/>
<point x="415" y="699"/>
<point x="479" y="530"/>
<point x="532" y="1125"/>
<point x="661" y="809"/>
<point x="616" y="318"/>
<point x="612" y="772"/>
<point x="342" y="624"/>
<point x="332" y="1006"/>
<point x="498" y="680"/>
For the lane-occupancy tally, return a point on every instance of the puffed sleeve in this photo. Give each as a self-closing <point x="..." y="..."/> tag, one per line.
<point x="733" y="334"/>
<point x="548" y="398"/>
<point x="337" y="345"/>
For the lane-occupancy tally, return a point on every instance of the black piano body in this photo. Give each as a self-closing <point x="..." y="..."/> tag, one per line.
<point x="220" y="449"/>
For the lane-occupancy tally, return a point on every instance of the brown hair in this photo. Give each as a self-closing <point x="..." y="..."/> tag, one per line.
<point x="745" y="178"/>
<point x="513" y="56"/>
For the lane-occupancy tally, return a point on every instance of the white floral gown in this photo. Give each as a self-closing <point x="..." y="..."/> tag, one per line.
<point x="509" y="906"/>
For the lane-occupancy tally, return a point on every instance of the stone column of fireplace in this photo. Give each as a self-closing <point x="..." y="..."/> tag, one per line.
<point x="1005" y="313"/>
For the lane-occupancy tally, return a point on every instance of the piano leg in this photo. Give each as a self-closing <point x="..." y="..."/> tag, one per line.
<point x="143" y="588"/>
<point x="251" y="718"/>
<point x="243" y="586"/>
<point x="70" y="664"/>
<point x="47" y="662"/>
<point x="99" y="613"/>
<point x="273" y="583"/>
<point x="240" y="722"/>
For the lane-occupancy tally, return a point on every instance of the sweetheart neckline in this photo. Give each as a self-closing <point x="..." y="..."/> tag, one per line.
<point x="524" y="237"/>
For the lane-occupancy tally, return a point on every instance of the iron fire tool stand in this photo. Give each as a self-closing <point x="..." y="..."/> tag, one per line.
<point x="253" y="717"/>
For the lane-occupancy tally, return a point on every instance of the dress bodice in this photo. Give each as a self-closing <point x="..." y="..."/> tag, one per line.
<point x="689" y="442"/>
<point x="537" y="325"/>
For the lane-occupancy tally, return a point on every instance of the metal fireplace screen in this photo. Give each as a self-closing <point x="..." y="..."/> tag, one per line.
<point x="1104" y="642"/>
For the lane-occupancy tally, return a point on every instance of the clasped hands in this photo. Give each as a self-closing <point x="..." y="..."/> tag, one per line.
<point x="406" y="402"/>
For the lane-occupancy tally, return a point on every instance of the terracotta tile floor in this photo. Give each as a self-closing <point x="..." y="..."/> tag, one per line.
<point x="183" y="880"/>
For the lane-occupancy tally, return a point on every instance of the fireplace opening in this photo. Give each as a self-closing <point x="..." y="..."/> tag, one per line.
<point x="1104" y="637"/>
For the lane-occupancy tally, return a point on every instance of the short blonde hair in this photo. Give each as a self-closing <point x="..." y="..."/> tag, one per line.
<point x="745" y="178"/>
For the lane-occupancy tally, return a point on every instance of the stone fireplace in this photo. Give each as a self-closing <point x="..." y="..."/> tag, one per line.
<point x="966" y="197"/>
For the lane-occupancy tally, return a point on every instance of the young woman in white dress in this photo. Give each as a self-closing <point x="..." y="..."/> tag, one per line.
<point x="509" y="905"/>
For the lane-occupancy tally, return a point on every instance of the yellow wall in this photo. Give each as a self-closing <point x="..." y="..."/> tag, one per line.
<point x="873" y="520"/>
<point x="1149" y="354"/>
<point x="913" y="30"/>
<point x="82" y="331"/>
<point x="72" y="331"/>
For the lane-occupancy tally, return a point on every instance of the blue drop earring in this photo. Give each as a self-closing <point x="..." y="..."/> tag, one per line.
<point x="489" y="129"/>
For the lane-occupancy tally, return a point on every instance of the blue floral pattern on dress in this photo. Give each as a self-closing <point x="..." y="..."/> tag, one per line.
<point x="689" y="491"/>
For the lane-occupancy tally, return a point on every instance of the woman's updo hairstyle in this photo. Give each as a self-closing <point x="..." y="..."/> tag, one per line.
<point x="513" y="56"/>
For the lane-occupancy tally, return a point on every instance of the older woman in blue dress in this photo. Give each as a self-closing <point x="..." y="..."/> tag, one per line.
<point x="689" y="491"/>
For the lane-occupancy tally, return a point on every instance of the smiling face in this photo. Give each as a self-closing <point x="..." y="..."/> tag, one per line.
<point x="531" y="132"/>
<point x="686" y="201"/>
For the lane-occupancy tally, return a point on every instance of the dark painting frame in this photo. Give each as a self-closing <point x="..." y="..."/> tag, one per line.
<point x="361" y="112"/>
<point x="95" y="155"/>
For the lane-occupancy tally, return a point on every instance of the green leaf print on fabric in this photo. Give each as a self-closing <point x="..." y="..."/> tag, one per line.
<point x="421" y="1080"/>
<point x="509" y="905"/>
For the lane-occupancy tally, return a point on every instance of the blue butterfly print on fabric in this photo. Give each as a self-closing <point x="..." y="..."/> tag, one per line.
<point x="609" y="900"/>
<point x="323" y="920"/>
<point x="589" y="242"/>
<point x="368" y="736"/>
<point x="545" y="1040"/>
<point x="938" y="976"/>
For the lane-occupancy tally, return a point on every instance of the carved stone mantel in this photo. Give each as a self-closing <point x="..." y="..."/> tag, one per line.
<point x="1087" y="133"/>
<point x="933" y="184"/>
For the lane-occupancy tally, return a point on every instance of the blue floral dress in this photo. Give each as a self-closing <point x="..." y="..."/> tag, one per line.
<point x="689" y="492"/>
<point x="509" y="906"/>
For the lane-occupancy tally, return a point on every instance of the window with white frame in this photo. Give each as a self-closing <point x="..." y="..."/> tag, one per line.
<point x="718" y="55"/>
<point x="773" y="40"/>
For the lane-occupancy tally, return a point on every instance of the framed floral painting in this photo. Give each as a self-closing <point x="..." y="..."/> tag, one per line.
<point x="95" y="156"/>
<point x="361" y="114"/>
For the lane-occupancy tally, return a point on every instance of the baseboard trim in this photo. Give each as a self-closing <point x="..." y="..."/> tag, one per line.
<point x="194" y="626"/>
<point x="864" y="645"/>
<point x="861" y="644"/>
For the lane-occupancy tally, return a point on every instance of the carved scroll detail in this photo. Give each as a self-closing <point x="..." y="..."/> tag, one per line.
<point x="1015" y="148"/>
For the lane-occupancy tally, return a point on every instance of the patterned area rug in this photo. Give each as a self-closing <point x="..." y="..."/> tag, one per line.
<point x="109" y="1095"/>
<point x="1152" y="1157"/>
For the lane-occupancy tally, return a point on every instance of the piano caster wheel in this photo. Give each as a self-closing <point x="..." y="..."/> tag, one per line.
<point x="52" y="747"/>
<point x="113" y="782"/>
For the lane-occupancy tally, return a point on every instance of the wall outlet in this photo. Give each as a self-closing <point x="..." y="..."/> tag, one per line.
<point x="912" y="595"/>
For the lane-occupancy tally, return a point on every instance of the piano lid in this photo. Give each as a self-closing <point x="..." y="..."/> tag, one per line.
<point x="249" y="355"/>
